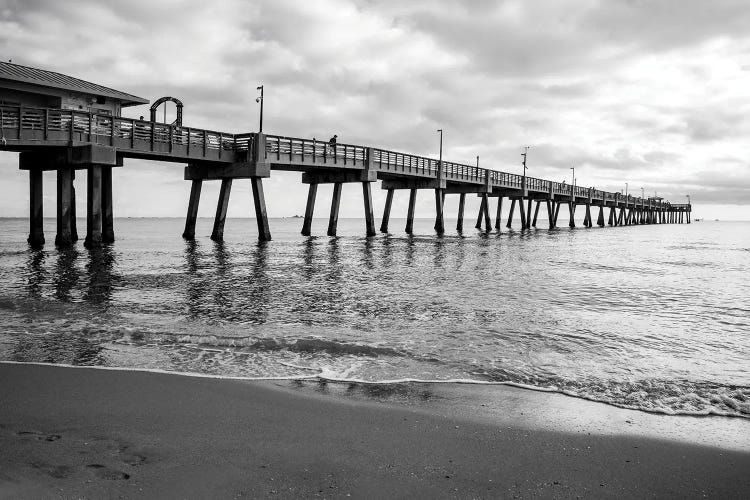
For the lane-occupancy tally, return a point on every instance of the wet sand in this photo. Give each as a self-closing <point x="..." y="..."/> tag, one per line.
<point x="90" y="433"/>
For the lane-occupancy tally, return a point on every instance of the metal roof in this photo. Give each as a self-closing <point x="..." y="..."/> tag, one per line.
<point x="18" y="73"/>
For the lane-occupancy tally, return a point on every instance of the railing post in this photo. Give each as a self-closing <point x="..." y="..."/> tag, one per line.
<point x="72" y="125"/>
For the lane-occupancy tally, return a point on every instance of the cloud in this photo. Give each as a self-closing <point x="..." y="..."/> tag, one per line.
<point x="649" y="93"/>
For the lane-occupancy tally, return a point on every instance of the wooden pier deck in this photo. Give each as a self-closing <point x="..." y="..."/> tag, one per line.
<point x="66" y="140"/>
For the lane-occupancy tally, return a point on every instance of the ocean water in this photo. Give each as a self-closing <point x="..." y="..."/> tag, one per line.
<point x="648" y="317"/>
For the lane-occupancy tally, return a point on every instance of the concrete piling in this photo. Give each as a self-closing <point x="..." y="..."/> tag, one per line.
<point x="94" y="207"/>
<point x="259" y="200"/>
<point x="333" y="219"/>
<point x="192" y="211"/>
<point x="386" y="211"/>
<point x="108" y="226"/>
<point x="410" y="213"/>
<point x="369" y="216"/>
<point x="460" y="221"/>
<point x="309" y="209"/>
<point x="217" y="234"/>
<point x="36" y="208"/>
<point x="64" y="205"/>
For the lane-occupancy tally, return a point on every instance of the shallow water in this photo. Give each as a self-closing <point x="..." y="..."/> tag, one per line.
<point x="648" y="317"/>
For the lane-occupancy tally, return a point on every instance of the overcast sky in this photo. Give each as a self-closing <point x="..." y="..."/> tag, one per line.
<point x="653" y="93"/>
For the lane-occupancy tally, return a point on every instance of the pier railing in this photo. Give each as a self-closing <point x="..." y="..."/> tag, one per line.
<point x="62" y="126"/>
<point x="51" y="126"/>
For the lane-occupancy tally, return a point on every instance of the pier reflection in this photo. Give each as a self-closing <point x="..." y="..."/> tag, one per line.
<point x="66" y="281"/>
<point x="66" y="274"/>
<point x="100" y="276"/>
<point x="223" y="287"/>
<point x="36" y="273"/>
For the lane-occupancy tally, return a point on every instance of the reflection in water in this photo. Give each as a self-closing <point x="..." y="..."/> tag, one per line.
<point x="222" y="294"/>
<point x="36" y="272"/>
<point x="196" y="284"/>
<point x="66" y="273"/>
<point x="64" y="280"/>
<point x="530" y="307"/>
<point x="100" y="277"/>
<point x="260" y="293"/>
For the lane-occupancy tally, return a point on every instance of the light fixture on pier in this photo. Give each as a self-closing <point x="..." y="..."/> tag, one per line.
<point x="260" y="100"/>
<point x="574" y="175"/>
<point x="441" y="147"/>
<point x="525" y="152"/>
<point x="688" y="197"/>
<point x="626" y="189"/>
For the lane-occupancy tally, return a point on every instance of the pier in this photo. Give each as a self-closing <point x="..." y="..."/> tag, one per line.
<point x="52" y="139"/>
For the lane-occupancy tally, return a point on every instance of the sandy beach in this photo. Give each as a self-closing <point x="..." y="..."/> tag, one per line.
<point x="88" y="433"/>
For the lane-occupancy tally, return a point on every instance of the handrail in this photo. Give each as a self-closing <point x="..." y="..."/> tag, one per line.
<point x="56" y="124"/>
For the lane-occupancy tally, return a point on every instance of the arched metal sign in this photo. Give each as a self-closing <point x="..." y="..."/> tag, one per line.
<point x="162" y="100"/>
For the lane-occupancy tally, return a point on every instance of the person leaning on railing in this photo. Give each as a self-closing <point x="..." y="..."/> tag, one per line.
<point x="332" y="143"/>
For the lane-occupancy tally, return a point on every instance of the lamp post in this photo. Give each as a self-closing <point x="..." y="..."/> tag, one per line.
<point x="574" y="176"/>
<point x="441" y="147"/>
<point x="525" y="152"/>
<point x="626" y="189"/>
<point x="260" y="100"/>
<point x="642" y="194"/>
<point x="688" y="197"/>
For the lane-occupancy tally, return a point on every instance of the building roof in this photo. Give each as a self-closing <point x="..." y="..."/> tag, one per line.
<point x="18" y="73"/>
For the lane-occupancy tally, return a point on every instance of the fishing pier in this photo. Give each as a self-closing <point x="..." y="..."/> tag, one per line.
<point x="38" y="121"/>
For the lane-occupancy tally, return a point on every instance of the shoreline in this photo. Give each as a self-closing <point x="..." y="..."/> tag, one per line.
<point x="81" y="432"/>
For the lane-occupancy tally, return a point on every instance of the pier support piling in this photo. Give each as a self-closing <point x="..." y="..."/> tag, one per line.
<point x="536" y="212"/>
<point x="410" y="213"/>
<point x="461" y="203"/>
<point x="550" y="213"/>
<point x="221" y="210"/>
<point x="73" y="219"/>
<point x="487" y="221"/>
<point x="572" y="210"/>
<point x="386" y="211"/>
<point x="192" y="211"/>
<point x="528" y="213"/>
<point x="108" y="223"/>
<point x="64" y="202"/>
<point x="93" y="207"/>
<point x="259" y="200"/>
<point x="439" y="220"/>
<point x="480" y="215"/>
<point x="600" y="219"/>
<point x="369" y="216"/>
<point x="499" y="214"/>
<point x="439" y="216"/>
<point x="557" y="213"/>
<point x="309" y="209"/>
<point x="36" y="206"/>
<point x="510" y="215"/>
<point x="333" y="220"/>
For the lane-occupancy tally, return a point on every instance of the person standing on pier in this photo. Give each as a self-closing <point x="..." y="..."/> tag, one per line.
<point x="332" y="143"/>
